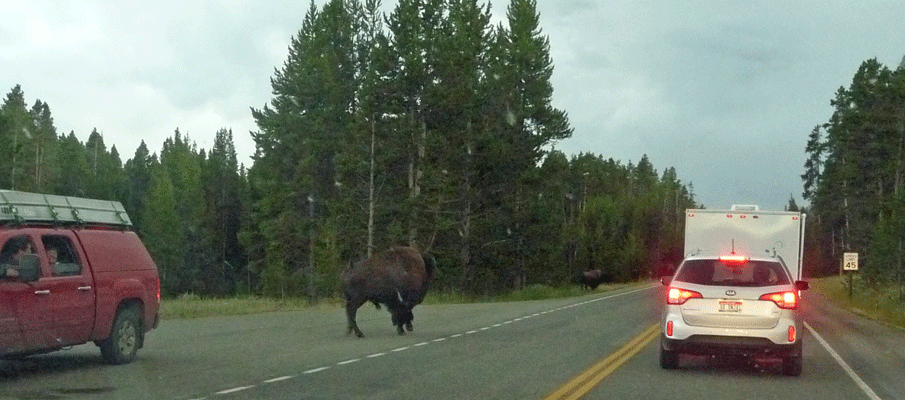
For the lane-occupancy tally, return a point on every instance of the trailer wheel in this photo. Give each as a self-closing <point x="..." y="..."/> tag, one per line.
<point x="123" y="343"/>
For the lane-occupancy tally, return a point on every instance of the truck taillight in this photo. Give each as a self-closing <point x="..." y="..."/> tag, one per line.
<point x="785" y="300"/>
<point x="679" y="296"/>
<point x="158" y="290"/>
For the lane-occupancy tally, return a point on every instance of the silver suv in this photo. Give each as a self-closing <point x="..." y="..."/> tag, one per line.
<point x="732" y="305"/>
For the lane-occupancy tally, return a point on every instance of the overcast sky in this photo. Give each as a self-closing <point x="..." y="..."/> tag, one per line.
<point x="725" y="91"/>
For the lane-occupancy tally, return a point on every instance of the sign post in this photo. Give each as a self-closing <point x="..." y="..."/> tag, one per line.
<point x="850" y="263"/>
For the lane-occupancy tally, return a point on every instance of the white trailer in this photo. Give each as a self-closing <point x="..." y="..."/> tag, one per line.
<point x="746" y="230"/>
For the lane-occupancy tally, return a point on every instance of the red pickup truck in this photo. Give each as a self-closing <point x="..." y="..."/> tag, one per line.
<point x="73" y="271"/>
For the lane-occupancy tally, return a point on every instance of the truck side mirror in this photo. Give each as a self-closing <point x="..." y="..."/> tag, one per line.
<point x="802" y="285"/>
<point x="29" y="269"/>
<point x="666" y="280"/>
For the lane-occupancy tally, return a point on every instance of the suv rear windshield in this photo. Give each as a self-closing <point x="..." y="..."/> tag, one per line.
<point x="717" y="273"/>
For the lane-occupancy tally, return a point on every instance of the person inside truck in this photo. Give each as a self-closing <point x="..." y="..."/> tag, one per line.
<point x="52" y="255"/>
<point x="12" y="252"/>
<point x="60" y="256"/>
<point x="61" y="261"/>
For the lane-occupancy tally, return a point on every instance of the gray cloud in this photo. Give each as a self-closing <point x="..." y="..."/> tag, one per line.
<point x="724" y="91"/>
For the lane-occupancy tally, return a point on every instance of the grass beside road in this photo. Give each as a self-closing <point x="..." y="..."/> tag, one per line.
<point x="191" y="306"/>
<point x="882" y="304"/>
<point x="879" y="304"/>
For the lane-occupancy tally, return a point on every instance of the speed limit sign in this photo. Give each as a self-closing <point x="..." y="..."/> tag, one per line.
<point x="850" y="262"/>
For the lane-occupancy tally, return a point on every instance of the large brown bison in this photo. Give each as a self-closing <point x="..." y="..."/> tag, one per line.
<point x="398" y="278"/>
<point x="589" y="279"/>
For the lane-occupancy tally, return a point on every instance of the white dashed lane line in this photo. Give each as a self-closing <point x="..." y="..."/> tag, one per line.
<point x="354" y="360"/>
<point x="233" y="390"/>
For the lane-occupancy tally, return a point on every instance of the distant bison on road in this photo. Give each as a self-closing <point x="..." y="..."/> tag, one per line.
<point x="398" y="278"/>
<point x="589" y="279"/>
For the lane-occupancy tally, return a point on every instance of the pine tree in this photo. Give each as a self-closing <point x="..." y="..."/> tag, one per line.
<point x="162" y="234"/>
<point x="74" y="178"/>
<point x="181" y="165"/>
<point x="107" y="179"/>
<point x="520" y="122"/>
<point x="528" y="56"/>
<point x="414" y="31"/>
<point x="138" y="186"/>
<point x="46" y="164"/>
<point x="792" y="206"/>
<point x="813" y="165"/>
<point x="221" y="216"/>
<point x="15" y="133"/>
<point x="301" y="138"/>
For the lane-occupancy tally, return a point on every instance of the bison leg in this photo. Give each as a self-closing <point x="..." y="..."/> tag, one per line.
<point x="397" y="321"/>
<point x="406" y="317"/>
<point x="401" y="316"/>
<point x="352" y="305"/>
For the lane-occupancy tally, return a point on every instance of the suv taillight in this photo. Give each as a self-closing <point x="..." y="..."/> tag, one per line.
<point x="785" y="300"/>
<point x="679" y="296"/>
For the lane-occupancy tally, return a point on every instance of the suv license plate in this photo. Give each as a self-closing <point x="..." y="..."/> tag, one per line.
<point x="730" y="306"/>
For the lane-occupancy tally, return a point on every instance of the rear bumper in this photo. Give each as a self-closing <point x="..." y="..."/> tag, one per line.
<point x="691" y="339"/>
<point x="730" y="345"/>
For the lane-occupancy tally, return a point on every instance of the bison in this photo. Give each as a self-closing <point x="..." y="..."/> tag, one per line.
<point x="589" y="279"/>
<point x="398" y="278"/>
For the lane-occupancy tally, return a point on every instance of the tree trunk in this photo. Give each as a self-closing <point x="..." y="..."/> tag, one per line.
<point x="371" y="206"/>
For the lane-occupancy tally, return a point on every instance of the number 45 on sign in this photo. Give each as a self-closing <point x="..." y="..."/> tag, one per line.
<point x="850" y="262"/>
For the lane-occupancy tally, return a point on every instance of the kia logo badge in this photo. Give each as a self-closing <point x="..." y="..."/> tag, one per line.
<point x="730" y="293"/>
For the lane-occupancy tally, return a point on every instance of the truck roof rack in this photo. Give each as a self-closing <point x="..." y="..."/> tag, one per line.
<point x="24" y="207"/>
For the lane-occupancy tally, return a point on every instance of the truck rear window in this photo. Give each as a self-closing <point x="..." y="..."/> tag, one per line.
<point x="716" y="273"/>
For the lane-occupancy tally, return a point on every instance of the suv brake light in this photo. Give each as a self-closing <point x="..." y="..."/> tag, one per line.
<point x="679" y="296"/>
<point x="785" y="300"/>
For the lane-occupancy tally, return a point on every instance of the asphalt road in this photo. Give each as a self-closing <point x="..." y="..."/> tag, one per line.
<point x="524" y="350"/>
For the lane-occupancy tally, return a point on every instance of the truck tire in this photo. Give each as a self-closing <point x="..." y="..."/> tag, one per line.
<point x="125" y="337"/>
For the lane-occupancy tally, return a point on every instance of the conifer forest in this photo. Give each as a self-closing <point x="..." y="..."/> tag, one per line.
<point x="431" y="126"/>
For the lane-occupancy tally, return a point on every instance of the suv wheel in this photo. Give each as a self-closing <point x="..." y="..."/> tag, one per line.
<point x="791" y="364"/>
<point x="121" y="346"/>
<point x="669" y="359"/>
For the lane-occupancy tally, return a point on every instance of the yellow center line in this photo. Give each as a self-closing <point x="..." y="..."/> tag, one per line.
<point x="583" y="383"/>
